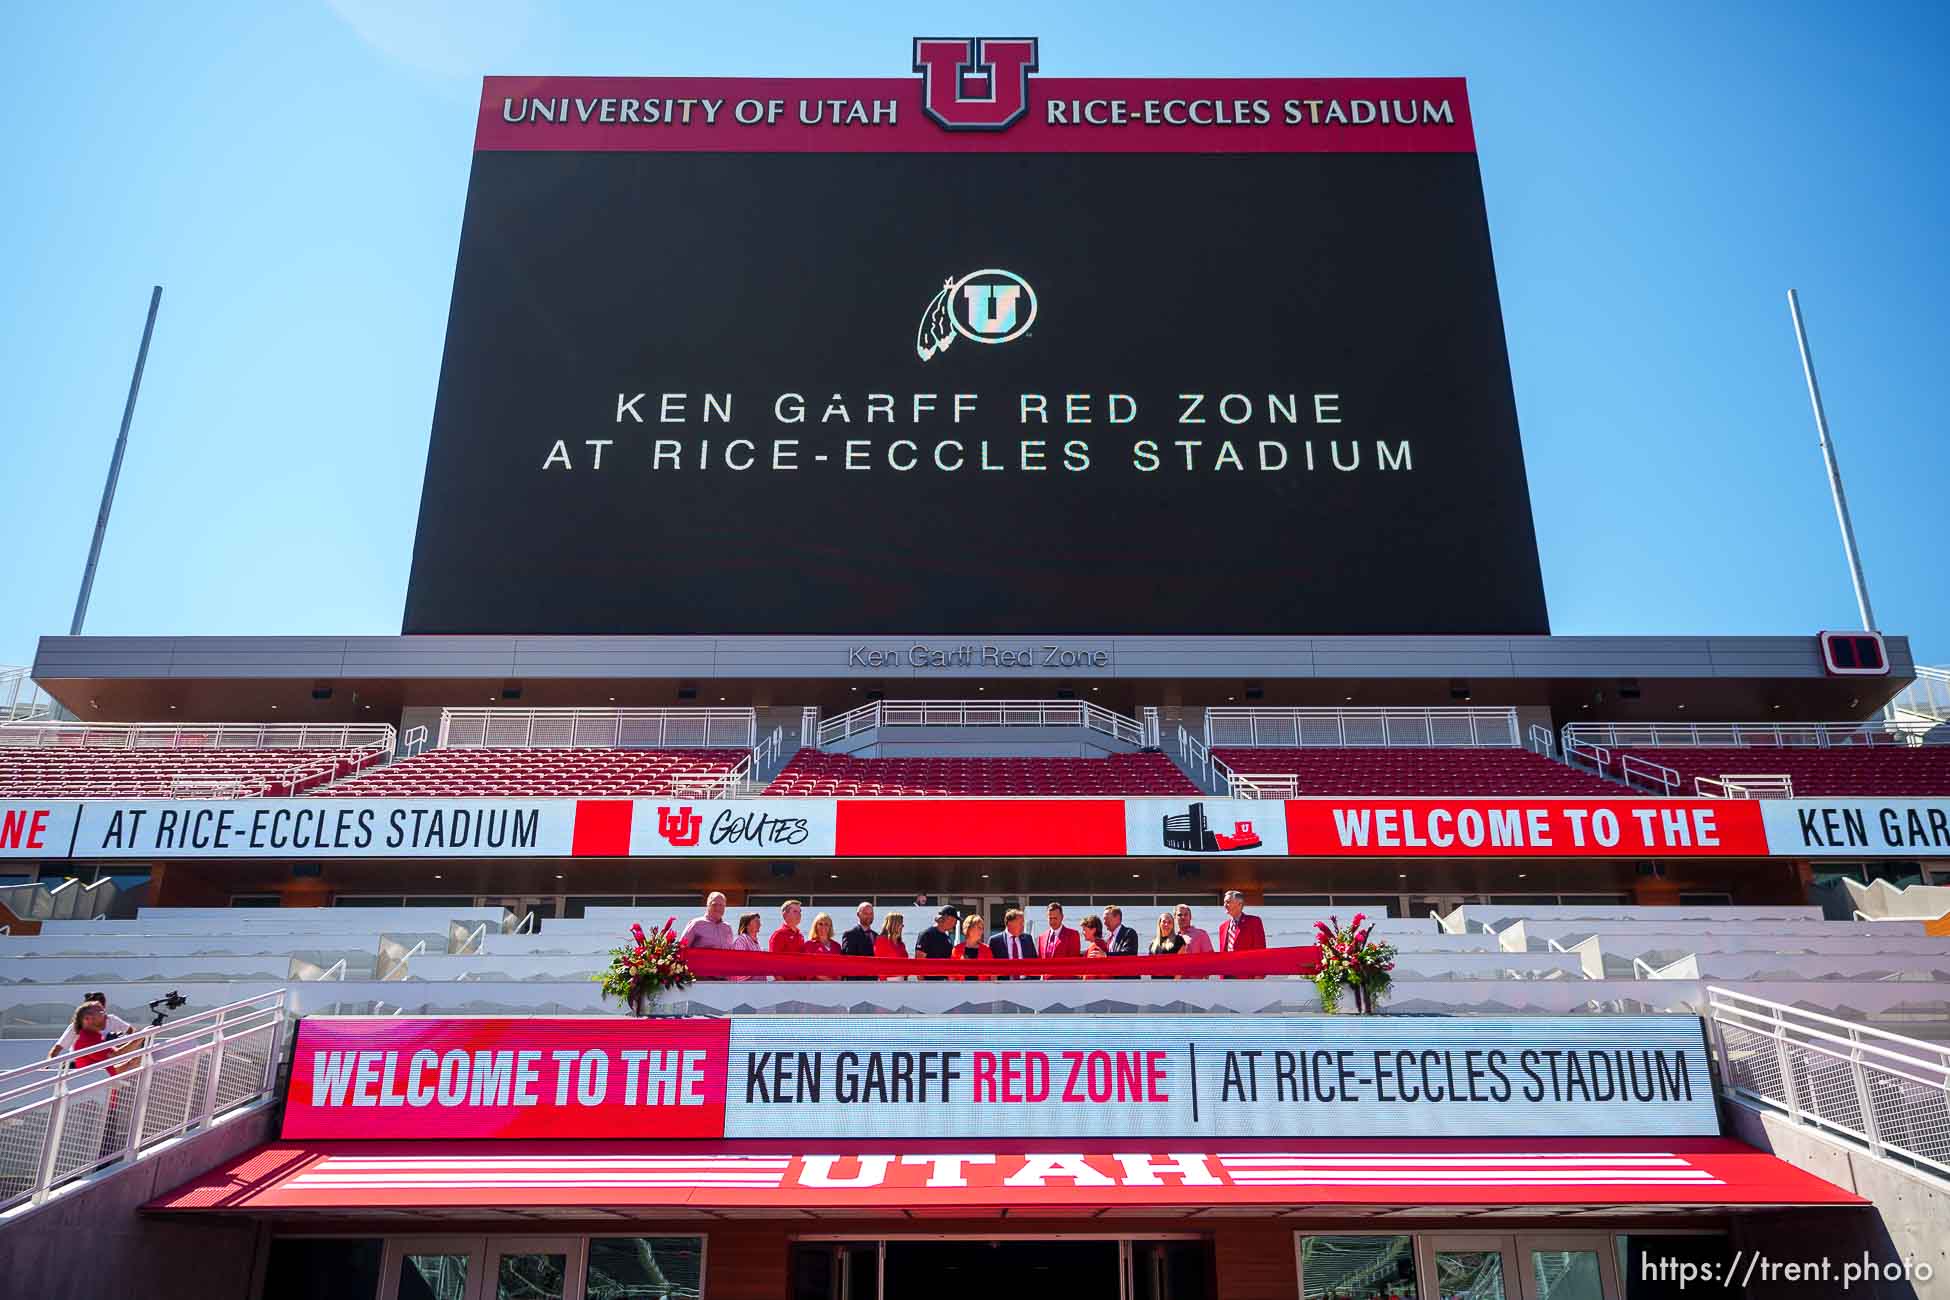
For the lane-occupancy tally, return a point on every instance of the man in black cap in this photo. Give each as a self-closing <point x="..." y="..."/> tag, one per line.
<point x="939" y="943"/>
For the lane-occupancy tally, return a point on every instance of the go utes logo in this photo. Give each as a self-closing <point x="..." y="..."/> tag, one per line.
<point x="986" y="306"/>
<point x="975" y="83"/>
<point x="681" y="829"/>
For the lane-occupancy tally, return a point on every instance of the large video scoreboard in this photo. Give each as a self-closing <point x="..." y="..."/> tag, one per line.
<point x="975" y="351"/>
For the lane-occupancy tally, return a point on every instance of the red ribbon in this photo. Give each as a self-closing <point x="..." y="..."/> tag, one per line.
<point x="729" y="963"/>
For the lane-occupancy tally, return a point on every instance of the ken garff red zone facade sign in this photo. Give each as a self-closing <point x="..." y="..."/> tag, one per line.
<point x="940" y="354"/>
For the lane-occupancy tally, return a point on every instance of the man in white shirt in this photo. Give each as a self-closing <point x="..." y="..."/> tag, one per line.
<point x="709" y="930"/>
<point x="116" y="1026"/>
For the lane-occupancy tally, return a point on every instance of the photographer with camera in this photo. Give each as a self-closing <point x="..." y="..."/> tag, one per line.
<point x="113" y="1026"/>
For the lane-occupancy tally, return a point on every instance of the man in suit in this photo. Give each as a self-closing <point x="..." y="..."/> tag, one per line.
<point x="1058" y="940"/>
<point x="1012" y="944"/>
<point x="939" y="943"/>
<point x="1240" y="932"/>
<point x="858" y="942"/>
<point x="1120" y="940"/>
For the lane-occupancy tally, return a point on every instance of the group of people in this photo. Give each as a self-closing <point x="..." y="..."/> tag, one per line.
<point x="958" y="937"/>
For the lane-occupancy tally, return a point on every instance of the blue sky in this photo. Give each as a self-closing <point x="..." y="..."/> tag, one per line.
<point x="1657" y="177"/>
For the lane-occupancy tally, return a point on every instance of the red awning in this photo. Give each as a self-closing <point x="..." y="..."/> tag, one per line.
<point x="1049" y="1178"/>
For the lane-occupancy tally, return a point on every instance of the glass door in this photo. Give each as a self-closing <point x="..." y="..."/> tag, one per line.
<point x="1568" y="1267"/>
<point x="532" y="1268"/>
<point x="1469" y="1268"/>
<point x="431" y="1268"/>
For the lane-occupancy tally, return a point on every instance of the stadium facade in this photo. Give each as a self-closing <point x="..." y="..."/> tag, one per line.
<point x="962" y="492"/>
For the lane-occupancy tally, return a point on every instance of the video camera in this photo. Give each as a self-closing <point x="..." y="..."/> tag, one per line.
<point x="165" y="1004"/>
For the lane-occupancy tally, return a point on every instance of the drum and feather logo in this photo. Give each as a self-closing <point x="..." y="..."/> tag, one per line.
<point x="986" y="306"/>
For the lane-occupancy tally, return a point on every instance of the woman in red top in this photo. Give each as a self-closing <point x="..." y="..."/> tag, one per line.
<point x="822" y="943"/>
<point x="971" y="947"/>
<point x="787" y="938"/>
<point x="889" y="942"/>
<point x="1093" y="942"/>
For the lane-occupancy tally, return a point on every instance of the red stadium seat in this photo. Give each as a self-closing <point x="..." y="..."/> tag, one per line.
<point x="1890" y="770"/>
<point x="813" y="773"/>
<point x="1432" y="772"/>
<point x="540" y="773"/>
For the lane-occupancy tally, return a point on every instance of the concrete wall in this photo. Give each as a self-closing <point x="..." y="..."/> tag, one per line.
<point x="1910" y="1221"/>
<point x="93" y="1241"/>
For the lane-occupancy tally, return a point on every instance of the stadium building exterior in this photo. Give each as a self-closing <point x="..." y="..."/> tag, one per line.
<point x="730" y="577"/>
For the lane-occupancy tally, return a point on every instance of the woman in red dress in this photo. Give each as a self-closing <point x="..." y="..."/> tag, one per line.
<point x="971" y="947"/>
<point x="888" y="943"/>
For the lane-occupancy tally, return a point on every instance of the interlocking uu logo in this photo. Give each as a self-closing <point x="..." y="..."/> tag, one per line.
<point x="986" y="306"/>
<point x="680" y="829"/>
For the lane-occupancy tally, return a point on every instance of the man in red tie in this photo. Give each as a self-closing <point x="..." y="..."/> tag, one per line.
<point x="1012" y="944"/>
<point x="1240" y="932"/>
<point x="1058" y="940"/>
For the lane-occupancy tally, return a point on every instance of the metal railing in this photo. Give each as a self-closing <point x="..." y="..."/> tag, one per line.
<point x="1543" y="741"/>
<point x="1196" y="757"/>
<point x="1240" y="785"/>
<point x="1928" y="696"/>
<point x="1742" y="735"/>
<point x="1636" y="770"/>
<point x="1748" y="786"/>
<point x="215" y="735"/>
<point x="1261" y="785"/>
<point x="982" y="713"/>
<point x="22" y="699"/>
<point x="60" y="1122"/>
<point x="1885" y="1091"/>
<point x="71" y="899"/>
<point x="598" y="728"/>
<point x="1294" y="728"/>
<point x="1579" y="753"/>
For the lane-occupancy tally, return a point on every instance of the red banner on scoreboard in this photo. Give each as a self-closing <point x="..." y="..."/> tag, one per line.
<point x="1406" y="828"/>
<point x="529" y="1078"/>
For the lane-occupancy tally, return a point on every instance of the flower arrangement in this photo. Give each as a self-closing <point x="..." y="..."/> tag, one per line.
<point x="645" y="967"/>
<point x="1349" y="959"/>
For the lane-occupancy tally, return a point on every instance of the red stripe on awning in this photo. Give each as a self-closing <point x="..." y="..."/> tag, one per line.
<point x="1048" y="1177"/>
<point x="1042" y="828"/>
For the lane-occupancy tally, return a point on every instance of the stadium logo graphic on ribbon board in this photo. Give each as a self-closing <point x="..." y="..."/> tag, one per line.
<point x="1192" y="832"/>
<point x="975" y="84"/>
<point x="986" y="306"/>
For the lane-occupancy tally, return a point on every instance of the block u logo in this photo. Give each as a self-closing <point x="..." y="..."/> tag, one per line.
<point x="975" y="83"/>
